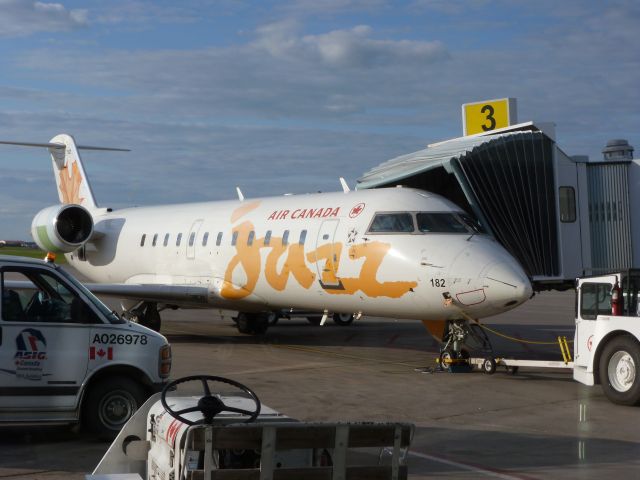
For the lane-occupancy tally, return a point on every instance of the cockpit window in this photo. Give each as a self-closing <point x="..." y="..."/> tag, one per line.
<point x="392" y="223"/>
<point x="471" y="222"/>
<point x="441" y="223"/>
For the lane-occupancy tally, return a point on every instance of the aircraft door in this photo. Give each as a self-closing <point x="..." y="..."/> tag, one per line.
<point x="192" y="238"/>
<point x="328" y="255"/>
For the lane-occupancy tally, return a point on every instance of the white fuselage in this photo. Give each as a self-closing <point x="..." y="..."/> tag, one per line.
<point x="312" y="252"/>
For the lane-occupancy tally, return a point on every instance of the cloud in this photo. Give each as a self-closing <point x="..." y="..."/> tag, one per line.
<point x="352" y="48"/>
<point x="21" y="18"/>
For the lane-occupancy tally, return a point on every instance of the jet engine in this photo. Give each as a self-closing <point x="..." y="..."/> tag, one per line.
<point x="62" y="228"/>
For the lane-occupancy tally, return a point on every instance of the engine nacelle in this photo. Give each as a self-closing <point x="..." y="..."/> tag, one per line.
<point x="62" y="228"/>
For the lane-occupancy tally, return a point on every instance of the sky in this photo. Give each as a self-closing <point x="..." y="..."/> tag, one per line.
<point x="286" y="97"/>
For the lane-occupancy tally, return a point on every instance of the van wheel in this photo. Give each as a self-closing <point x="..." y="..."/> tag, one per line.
<point x="618" y="368"/>
<point x="110" y="404"/>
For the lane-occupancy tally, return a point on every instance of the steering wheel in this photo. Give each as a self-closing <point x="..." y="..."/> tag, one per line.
<point x="209" y="405"/>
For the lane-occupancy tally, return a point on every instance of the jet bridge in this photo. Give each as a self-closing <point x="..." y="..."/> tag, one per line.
<point x="561" y="217"/>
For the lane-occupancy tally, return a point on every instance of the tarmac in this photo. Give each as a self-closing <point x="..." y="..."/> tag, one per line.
<point x="537" y="424"/>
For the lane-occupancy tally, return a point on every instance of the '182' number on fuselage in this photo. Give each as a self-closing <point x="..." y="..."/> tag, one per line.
<point x="438" y="282"/>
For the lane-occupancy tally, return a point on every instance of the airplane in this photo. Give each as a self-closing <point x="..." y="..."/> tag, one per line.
<point x="391" y="252"/>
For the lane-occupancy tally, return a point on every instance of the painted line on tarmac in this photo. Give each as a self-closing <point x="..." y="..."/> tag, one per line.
<point x="489" y="472"/>
<point x="344" y="355"/>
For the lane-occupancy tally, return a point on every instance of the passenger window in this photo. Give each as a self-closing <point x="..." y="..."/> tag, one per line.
<point x="267" y="238"/>
<point x="285" y="237"/>
<point x="205" y="239"/>
<point x="440" y="223"/>
<point x="166" y="240"/>
<point x="41" y="297"/>
<point x="219" y="239"/>
<point x="178" y="239"/>
<point x="155" y="240"/>
<point x="250" y="238"/>
<point x="303" y="237"/>
<point x="567" y="199"/>
<point x="144" y="236"/>
<point x="595" y="300"/>
<point x="234" y="239"/>
<point x="392" y="223"/>
<point x="192" y="238"/>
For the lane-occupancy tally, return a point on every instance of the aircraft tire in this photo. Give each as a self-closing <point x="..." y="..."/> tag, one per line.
<point x="148" y="316"/>
<point x="343" y="319"/>
<point x="618" y="368"/>
<point x="109" y="405"/>
<point x="252" y="324"/>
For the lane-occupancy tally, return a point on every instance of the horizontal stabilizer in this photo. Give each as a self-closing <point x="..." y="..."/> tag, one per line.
<point x="62" y="146"/>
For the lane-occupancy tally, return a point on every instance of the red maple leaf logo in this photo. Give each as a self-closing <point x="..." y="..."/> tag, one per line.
<point x="356" y="210"/>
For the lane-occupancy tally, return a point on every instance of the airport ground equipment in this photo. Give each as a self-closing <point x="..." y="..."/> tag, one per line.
<point x="606" y="345"/>
<point x="232" y="435"/>
<point x="67" y="358"/>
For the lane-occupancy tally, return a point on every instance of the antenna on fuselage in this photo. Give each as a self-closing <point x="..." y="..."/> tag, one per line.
<point x="345" y="187"/>
<point x="240" y="195"/>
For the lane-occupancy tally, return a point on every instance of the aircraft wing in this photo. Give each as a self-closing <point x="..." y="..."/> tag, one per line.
<point x="181" y="295"/>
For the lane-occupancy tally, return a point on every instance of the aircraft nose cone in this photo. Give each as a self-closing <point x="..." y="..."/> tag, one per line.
<point x="508" y="285"/>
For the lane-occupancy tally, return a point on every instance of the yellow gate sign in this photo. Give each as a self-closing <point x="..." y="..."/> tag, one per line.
<point x="479" y="117"/>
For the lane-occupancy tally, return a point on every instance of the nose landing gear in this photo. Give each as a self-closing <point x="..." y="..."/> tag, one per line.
<point x="458" y="334"/>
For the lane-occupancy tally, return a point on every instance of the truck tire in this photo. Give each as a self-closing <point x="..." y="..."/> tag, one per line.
<point x="618" y="369"/>
<point x="109" y="405"/>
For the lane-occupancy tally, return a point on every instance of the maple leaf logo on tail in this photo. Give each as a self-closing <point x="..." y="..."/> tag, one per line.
<point x="70" y="184"/>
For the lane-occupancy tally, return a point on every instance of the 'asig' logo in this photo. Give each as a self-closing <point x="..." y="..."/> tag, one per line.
<point x="31" y="352"/>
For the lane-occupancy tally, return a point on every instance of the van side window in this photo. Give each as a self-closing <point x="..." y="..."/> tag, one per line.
<point x="155" y="240"/>
<point x="166" y="240"/>
<point x="267" y="238"/>
<point x="250" y="238"/>
<point x="205" y="239"/>
<point x="142" y="239"/>
<point x="43" y="299"/>
<point x="219" y="239"/>
<point x="392" y="223"/>
<point x="303" y="237"/>
<point x="285" y="237"/>
<point x="178" y="239"/>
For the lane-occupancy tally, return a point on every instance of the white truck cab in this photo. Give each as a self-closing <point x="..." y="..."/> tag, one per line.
<point x="607" y="337"/>
<point x="67" y="358"/>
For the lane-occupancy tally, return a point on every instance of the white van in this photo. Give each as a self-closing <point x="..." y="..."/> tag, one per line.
<point x="67" y="358"/>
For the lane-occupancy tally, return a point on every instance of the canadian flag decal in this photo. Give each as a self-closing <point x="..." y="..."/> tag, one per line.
<point x="100" y="353"/>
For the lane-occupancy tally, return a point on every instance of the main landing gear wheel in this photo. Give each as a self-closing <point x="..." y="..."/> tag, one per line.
<point x="253" y="323"/>
<point x="618" y="369"/>
<point x="148" y="315"/>
<point x="210" y="405"/>
<point x="343" y="319"/>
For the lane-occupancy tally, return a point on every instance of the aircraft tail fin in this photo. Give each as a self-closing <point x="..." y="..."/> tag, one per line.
<point x="71" y="180"/>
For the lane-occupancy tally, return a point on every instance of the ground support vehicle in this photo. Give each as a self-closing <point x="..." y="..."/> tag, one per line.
<point x="67" y="358"/>
<point x="606" y="345"/>
<point x="233" y="436"/>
